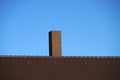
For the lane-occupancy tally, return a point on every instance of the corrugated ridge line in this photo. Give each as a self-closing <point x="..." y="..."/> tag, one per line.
<point x="22" y="56"/>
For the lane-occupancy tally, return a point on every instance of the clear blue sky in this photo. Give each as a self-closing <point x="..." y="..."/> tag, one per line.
<point x="89" y="27"/>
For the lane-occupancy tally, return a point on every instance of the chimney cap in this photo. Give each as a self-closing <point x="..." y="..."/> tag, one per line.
<point x="55" y="31"/>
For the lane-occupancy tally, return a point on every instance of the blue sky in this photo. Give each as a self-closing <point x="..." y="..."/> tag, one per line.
<point x="89" y="27"/>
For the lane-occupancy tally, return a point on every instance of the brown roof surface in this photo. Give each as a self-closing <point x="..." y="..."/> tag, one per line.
<point x="59" y="68"/>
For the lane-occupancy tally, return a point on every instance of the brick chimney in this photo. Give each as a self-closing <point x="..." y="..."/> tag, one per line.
<point x="55" y="43"/>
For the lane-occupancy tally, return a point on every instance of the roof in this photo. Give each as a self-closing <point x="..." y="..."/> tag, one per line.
<point x="59" y="68"/>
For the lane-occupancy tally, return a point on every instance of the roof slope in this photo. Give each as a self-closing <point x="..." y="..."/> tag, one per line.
<point x="59" y="68"/>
